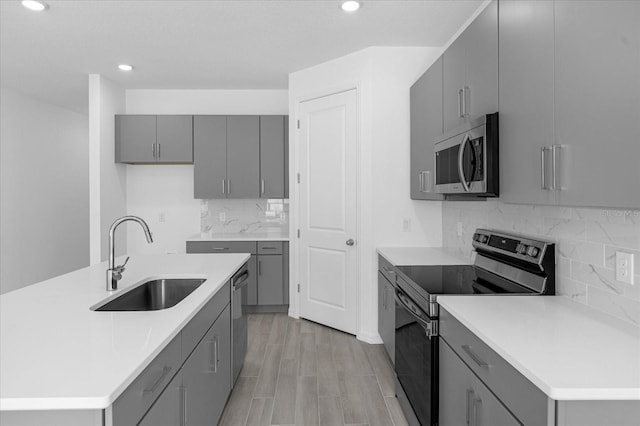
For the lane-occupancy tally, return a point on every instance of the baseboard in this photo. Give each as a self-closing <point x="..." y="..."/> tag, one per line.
<point x="371" y="338"/>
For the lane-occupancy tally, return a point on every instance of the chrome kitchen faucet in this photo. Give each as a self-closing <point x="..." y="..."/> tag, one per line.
<point x="114" y="273"/>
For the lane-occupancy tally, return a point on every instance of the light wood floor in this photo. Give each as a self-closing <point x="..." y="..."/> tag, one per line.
<point x="301" y="373"/>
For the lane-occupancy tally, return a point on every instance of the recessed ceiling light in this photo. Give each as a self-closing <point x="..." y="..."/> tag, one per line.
<point x="125" y="67"/>
<point x="350" y="5"/>
<point x="36" y="5"/>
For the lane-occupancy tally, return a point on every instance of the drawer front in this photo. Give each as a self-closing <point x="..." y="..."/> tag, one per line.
<point x="522" y="397"/>
<point x="387" y="269"/>
<point x="221" y="247"/>
<point x="198" y="326"/>
<point x="138" y="397"/>
<point x="269" y="247"/>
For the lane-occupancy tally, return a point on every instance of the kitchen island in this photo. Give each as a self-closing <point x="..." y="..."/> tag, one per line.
<point x="62" y="362"/>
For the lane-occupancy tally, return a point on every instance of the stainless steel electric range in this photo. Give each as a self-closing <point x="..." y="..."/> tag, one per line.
<point x="504" y="264"/>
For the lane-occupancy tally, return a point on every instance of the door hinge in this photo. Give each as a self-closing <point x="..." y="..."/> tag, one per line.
<point x="298" y="288"/>
<point x="298" y="124"/>
<point x="298" y="177"/>
<point x="298" y="233"/>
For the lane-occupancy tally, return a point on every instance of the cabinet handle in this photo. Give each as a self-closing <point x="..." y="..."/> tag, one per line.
<point x="165" y="372"/>
<point x="214" y="355"/>
<point x="223" y="189"/>
<point x="388" y="270"/>
<point x="217" y="352"/>
<point x="421" y="182"/>
<point x="474" y="357"/>
<point x="553" y="165"/>
<point x="228" y="186"/>
<point x="468" y="406"/>
<point x="384" y="299"/>
<point x="261" y="186"/>
<point x="543" y="168"/>
<point x="219" y="248"/>
<point x="460" y="112"/>
<point x="269" y="248"/>
<point x="183" y="406"/>
<point x="466" y="92"/>
<point x="158" y="151"/>
<point x="476" y="403"/>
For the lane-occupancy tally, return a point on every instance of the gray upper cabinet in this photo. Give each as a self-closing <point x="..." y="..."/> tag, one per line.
<point x="243" y="156"/>
<point x="426" y="127"/>
<point x="174" y="137"/>
<point x="210" y="159"/>
<point x="597" y="102"/>
<point x="470" y="80"/>
<point x="272" y="156"/>
<point x="151" y="139"/>
<point x="526" y="99"/>
<point x="135" y="139"/>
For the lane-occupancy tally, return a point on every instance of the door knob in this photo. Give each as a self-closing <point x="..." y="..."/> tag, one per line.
<point x="350" y="242"/>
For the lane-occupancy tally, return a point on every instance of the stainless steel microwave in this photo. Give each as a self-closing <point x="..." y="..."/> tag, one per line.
<point x="466" y="159"/>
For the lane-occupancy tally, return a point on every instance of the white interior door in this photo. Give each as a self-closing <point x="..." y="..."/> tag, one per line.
<point x="327" y="252"/>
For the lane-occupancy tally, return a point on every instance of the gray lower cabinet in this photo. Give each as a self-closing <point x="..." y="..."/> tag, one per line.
<point x="465" y="400"/>
<point x="470" y="79"/>
<point x="270" y="280"/>
<point x="190" y="380"/>
<point x="268" y="269"/>
<point x="526" y="100"/>
<point x="154" y="139"/>
<point x="206" y="375"/>
<point x="426" y="128"/>
<point x="386" y="315"/>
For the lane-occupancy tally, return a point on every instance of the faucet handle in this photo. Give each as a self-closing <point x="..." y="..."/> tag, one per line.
<point x="125" y="262"/>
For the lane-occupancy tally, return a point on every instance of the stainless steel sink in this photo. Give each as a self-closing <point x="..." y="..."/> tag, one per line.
<point x="153" y="295"/>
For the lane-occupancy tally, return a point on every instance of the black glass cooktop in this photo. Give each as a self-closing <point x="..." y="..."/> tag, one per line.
<point x="457" y="279"/>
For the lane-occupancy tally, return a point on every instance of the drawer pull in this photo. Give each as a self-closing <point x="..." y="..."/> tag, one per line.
<point x="269" y="248"/>
<point x="388" y="271"/>
<point x="219" y="248"/>
<point x="154" y="388"/>
<point x="474" y="357"/>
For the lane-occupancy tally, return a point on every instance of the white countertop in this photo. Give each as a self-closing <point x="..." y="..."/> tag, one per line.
<point x="413" y="256"/>
<point x="56" y="354"/>
<point x="568" y="350"/>
<point x="243" y="236"/>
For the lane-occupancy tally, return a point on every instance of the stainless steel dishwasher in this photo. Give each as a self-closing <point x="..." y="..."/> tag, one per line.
<point x="239" y="283"/>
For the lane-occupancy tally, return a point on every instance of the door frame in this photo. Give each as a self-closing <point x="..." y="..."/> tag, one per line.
<point x="294" y="268"/>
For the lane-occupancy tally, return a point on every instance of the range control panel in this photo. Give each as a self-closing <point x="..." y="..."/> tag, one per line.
<point x="515" y="246"/>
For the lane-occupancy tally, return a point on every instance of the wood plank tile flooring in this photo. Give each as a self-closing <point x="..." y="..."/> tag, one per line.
<point x="301" y="373"/>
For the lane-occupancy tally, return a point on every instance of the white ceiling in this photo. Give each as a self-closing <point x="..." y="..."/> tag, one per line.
<point x="202" y="44"/>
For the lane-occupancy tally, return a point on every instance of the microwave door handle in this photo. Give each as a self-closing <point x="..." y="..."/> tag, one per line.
<point x="463" y="179"/>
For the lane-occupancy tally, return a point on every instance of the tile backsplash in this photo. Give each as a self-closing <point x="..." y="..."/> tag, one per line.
<point x="587" y="240"/>
<point x="244" y="216"/>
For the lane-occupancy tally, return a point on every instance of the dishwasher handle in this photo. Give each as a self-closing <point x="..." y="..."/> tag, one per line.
<point x="240" y="281"/>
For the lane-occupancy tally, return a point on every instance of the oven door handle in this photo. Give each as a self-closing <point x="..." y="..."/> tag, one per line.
<point x="430" y="326"/>
<point x="463" y="145"/>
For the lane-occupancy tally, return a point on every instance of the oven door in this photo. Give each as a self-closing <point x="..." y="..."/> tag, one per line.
<point x="416" y="361"/>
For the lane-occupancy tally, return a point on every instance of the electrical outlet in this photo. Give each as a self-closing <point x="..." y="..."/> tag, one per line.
<point x="406" y="225"/>
<point x="222" y="216"/>
<point x="459" y="229"/>
<point x="624" y="267"/>
<point x="162" y="217"/>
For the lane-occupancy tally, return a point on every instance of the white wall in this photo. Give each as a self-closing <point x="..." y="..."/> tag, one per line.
<point x="383" y="76"/>
<point x="107" y="179"/>
<point x="44" y="191"/>
<point x="168" y="190"/>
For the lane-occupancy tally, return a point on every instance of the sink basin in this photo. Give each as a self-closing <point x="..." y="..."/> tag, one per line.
<point x="153" y="295"/>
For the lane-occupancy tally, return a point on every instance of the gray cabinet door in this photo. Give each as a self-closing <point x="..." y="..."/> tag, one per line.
<point x="174" y="139"/>
<point x="243" y="156"/>
<point x="526" y="99"/>
<point x="252" y="287"/>
<point x="210" y="156"/>
<point x="168" y="409"/>
<point x="487" y="410"/>
<point x="270" y="280"/>
<point x="386" y="316"/>
<point x="456" y="383"/>
<point x="597" y="102"/>
<point x="426" y="127"/>
<point x="482" y="63"/>
<point x="454" y="80"/>
<point x="207" y="374"/>
<point x="272" y="160"/>
<point x="135" y="138"/>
